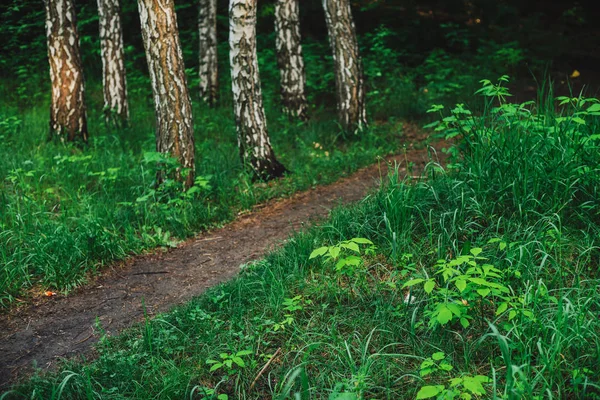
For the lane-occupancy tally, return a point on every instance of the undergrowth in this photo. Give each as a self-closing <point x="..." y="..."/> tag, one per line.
<point x="478" y="282"/>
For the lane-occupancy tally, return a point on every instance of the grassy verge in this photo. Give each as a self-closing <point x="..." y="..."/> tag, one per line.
<point x="481" y="282"/>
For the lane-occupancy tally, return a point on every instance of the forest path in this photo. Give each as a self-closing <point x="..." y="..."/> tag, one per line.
<point x="61" y="326"/>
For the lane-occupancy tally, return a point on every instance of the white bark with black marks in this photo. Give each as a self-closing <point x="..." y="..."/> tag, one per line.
<point x="289" y="58"/>
<point x="253" y="139"/>
<point x="174" y="124"/>
<point x="116" y="109"/>
<point x="67" y="109"/>
<point x="208" y="70"/>
<point x="349" y="80"/>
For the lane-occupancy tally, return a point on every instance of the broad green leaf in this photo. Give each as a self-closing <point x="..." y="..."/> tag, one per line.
<point x="353" y="260"/>
<point x="473" y="385"/>
<point x="594" y="108"/>
<point x="211" y="361"/>
<point x="444" y="315"/>
<point x="502" y="245"/>
<point x="215" y="367"/>
<point x="318" y="252"/>
<point x="465" y="322"/>
<point x="455" y="382"/>
<point x="239" y="361"/>
<point x="461" y="284"/>
<point x="501" y="308"/>
<point x="340" y="264"/>
<point x="413" y="282"/>
<point x="482" y="282"/>
<point x="440" y="355"/>
<point x="455" y="308"/>
<point x="427" y="392"/>
<point x="579" y="120"/>
<point x="476" y="251"/>
<point x="248" y="352"/>
<point x="351" y="246"/>
<point x="334" y="252"/>
<point x="429" y="285"/>
<point x="483" y="292"/>
<point x="361" y="241"/>
<point x="444" y="366"/>
<point x="512" y="314"/>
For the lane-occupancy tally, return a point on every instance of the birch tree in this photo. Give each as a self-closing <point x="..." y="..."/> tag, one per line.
<point x="207" y="30"/>
<point x="67" y="108"/>
<point x="349" y="80"/>
<point x="289" y="58"/>
<point x="116" y="109"/>
<point x="174" y="125"/>
<point x="253" y="139"/>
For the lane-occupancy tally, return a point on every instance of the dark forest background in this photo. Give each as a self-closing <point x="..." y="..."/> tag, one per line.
<point x="557" y="36"/>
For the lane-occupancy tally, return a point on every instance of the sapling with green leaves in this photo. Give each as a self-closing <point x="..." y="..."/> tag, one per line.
<point x="462" y="284"/>
<point x="464" y="386"/>
<point x="345" y="265"/>
<point x="230" y="362"/>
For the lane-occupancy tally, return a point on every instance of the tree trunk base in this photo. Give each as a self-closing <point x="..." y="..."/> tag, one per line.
<point x="269" y="172"/>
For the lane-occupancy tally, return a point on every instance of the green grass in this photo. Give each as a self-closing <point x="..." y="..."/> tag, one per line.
<point x="515" y="217"/>
<point x="65" y="212"/>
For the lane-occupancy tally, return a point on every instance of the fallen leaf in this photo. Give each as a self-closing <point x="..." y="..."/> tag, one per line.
<point x="575" y="74"/>
<point x="49" y="293"/>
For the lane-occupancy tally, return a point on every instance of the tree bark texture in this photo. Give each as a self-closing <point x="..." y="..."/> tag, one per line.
<point x="116" y="109"/>
<point x="174" y="124"/>
<point x="349" y="80"/>
<point x="67" y="109"/>
<point x="289" y="58"/>
<point x="253" y="139"/>
<point x="207" y="30"/>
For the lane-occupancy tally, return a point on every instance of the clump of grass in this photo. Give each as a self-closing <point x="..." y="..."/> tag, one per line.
<point x="491" y="241"/>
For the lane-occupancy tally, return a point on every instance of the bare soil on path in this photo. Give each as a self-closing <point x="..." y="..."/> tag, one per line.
<point x="64" y="326"/>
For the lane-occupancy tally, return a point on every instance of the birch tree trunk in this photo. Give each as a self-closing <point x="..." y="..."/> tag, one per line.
<point x="253" y="139"/>
<point x="207" y="30"/>
<point x="174" y="125"/>
<point x="116" y="109"/>
<point x="349" y="80"/>
<point x="67" y="109"/>
<point x="289" y="58"/>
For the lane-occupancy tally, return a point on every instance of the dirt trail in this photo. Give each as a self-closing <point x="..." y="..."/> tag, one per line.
<point x="64" y="326"/>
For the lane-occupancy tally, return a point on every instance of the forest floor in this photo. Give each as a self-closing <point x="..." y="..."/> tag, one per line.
<point x="67" y="326"/>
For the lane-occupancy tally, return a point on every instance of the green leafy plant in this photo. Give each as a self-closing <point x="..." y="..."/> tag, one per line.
<point x="229" y="361"/>
<point x="461" y="387"/>
<point x="465" y="285"/>
<point x="437" y="362"/>
<point x="291" y="305"/>
<point x="334" y="254"/>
